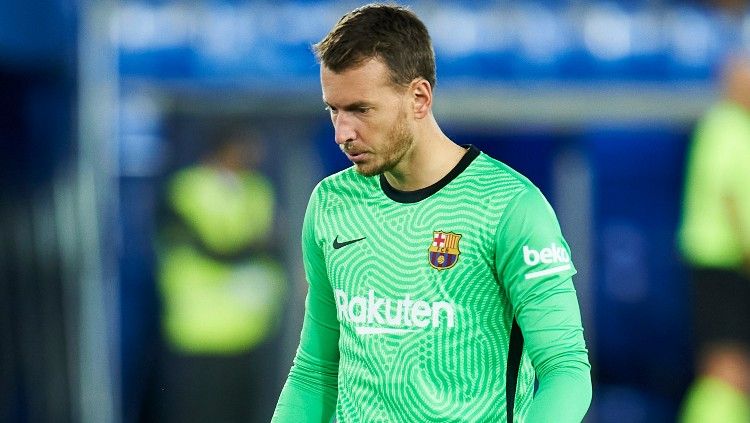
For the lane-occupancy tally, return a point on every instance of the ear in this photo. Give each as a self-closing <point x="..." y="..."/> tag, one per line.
<point x="422" y="97"/>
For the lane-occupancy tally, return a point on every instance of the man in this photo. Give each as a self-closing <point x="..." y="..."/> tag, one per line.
<point x="439" y="282"/>
<point x="715" y="241"/>
<point x="221" y="287"/>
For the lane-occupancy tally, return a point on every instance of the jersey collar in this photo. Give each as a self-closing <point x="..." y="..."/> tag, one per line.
<point x="472" y="153"/>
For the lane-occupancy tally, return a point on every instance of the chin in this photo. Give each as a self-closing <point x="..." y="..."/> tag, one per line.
<point x="366" y="171"/>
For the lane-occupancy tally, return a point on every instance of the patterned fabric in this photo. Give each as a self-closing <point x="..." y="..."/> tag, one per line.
<point x="424" y="302"/>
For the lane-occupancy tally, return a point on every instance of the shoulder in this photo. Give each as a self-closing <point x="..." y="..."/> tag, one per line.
<point x="191" y="175"/>
<point x="342" y="185"/>
<point x="725" y="118"/>
<point x="343" y="177"/>
<point x="499" y="169"/>
<point x="507" y="195"/>
<point x="495" y="179"/>
<point x="186" y="183"/>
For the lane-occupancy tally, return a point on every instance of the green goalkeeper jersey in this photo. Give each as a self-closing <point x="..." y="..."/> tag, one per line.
<point x="437" y="305"/>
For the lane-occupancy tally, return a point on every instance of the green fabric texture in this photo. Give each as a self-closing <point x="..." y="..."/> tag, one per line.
<point x="715" y="230"/>
<point x="392" y="333"/>
<point x="546" y="308"/>
<point x="714" y="401"/>
<point x="212" y="305"/>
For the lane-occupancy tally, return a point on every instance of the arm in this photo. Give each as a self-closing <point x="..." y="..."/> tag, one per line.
<point x="310" y="392"/>
<point x="533" y="262"/>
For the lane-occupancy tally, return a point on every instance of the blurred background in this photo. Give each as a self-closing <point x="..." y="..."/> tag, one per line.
<point x="157" y="157"/>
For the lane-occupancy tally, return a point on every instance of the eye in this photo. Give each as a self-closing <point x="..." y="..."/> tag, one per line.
<point x="363" y="110"/>
<point x="331" y="110"/>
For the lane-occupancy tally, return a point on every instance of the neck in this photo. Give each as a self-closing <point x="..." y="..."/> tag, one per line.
<point x="431" y="157"/>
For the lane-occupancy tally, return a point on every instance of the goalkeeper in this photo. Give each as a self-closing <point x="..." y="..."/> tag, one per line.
<point x="440" y="285"/>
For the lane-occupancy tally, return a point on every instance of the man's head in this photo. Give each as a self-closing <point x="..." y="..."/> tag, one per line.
<point x="377" y="73"/>
<point x="236" y="148"/>
<point x="736" y="80"/>
<point x="392" y="34"/>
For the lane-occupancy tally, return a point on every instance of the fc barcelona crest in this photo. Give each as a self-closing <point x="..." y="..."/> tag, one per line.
<point x="444" y="250"/>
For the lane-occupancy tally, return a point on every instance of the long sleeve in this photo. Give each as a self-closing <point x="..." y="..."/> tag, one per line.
<point x="534" y="266"/>
<point x="553" y="335"/>
<point x="310" y="392"/>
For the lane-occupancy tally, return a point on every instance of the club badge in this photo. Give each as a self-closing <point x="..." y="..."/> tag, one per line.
<point x="444" y="250"/>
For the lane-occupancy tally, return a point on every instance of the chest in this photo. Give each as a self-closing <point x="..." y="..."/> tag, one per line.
<point x="427" y="249"/>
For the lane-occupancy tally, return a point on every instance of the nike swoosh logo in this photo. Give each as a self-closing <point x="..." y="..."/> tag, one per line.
<point x="337" y="244"/>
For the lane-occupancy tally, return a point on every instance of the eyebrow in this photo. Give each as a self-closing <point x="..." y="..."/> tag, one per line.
<point x="349" y="107"/>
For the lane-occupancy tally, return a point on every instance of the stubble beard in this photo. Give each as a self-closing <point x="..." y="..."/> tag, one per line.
<point x="400" y="141"/>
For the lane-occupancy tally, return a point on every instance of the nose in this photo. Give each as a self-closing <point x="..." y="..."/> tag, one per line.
<point x="344" y="129"/>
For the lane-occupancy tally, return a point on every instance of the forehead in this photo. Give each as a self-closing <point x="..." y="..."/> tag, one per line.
<point x="369" y="81"/>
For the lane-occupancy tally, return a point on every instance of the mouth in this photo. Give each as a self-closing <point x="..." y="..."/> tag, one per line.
<point x="353" y="154"/>
<point x="356" y="156"/>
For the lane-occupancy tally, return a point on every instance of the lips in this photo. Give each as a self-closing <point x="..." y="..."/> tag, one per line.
<point x="356" y="156"/>
<point x="353" y="154"/>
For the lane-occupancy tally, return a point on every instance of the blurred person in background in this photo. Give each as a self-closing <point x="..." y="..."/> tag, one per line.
<point x="221" y="286"/>
<point x="715" y="241"/>
<point x="440" y="284"/>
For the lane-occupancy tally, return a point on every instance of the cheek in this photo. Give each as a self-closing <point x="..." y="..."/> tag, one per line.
<point x="378" y="130"/>
<point x="371" y="131"/>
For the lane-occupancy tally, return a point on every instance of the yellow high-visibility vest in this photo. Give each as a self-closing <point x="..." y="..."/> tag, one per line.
<point x="214" y="305"/>
<point x="715" y="229"/>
